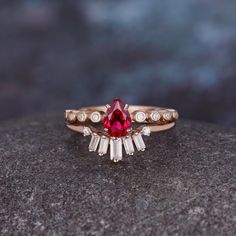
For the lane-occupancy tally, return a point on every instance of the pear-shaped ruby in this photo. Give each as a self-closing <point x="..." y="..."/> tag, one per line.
<point x="117" y="119"/>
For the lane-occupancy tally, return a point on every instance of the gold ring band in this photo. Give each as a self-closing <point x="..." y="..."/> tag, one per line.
<point x="117" y="119"/>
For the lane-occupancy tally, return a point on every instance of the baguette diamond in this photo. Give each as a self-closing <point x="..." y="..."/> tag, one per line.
<point x="103" y="146"/>
<point x="128" y="144"/>
<point x="116" y="149"/>
<point x="94" y="143"/>
<point x="139" y="143"/>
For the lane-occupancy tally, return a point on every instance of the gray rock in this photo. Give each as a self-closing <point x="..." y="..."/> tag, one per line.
<point x="184" y="184"/>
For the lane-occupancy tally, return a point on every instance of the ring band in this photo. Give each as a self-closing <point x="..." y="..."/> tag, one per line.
<point x="117" y="120"/>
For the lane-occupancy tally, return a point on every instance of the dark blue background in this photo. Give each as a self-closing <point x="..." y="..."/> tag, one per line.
<point x="61" y="54"/>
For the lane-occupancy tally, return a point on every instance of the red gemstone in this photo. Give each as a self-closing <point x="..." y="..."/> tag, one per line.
<point x="117" y="119"/>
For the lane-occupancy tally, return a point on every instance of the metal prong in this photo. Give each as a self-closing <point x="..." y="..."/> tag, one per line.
<point x="129" y="130"/>
<point x="126" y="106"/>
<point x="107" y="106"/>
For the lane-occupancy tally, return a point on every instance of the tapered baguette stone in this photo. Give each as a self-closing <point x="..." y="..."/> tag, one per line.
<point x="102" y="150"/>
<point x="116" y="149"/>
<point x="139" y="143"/>
<point x="94" y="143"/>
<point x="128" y="144"/>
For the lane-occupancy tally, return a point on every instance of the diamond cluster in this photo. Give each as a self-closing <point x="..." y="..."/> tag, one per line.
<point x="102" y="144"/>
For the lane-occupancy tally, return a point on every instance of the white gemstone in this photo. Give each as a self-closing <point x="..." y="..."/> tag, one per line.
<point x="167" y="115"/>
<point x="94" y="143"/>
<point x="87" y="131"/>
<point x="71" y="116"/>
<point x="103" y="146"/>
<point x="146" y="131"/>
<point x="175" y="115"/>
<point x="140" y="116"/>
<point x="95" y="117"/>
<point x="155" y="116"/>
<point x="128" y="144"/>
<point x="139" y="143"/>
<point x="81" y="116"/>
<point x="116" y="149"/>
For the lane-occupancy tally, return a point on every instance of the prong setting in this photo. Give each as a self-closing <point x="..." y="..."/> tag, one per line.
<point x="126" y="106"/>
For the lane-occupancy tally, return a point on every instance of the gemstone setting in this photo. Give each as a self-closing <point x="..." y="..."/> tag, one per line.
<point x="81" y="116"/>
<point x="146" y="131"/>
<point x="140" y="116"/>
<point x="128" y="144"/>
<point x="118" y="133"/>
<point x="167" y="116"/>
<point x="96" y="117"/>
<point x="94" y="143"/>
<point x="155" y="116"/>
<point x="71" y="117"/>
<point x="87" y="131"/>
<point x="139" y="143"/>
<point x="117" y="119"/>
<point x="115" y="149"/>
<point x="102" y="150"/>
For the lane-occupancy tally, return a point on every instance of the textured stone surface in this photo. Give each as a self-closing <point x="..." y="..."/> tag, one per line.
<point x="50" y="185"/>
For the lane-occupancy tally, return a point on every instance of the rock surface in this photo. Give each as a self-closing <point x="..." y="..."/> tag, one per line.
<point x="184" y="184"/>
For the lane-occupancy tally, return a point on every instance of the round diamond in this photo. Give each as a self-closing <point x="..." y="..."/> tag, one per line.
<point x="95" y="117"/>
<point x="167" y="116"/>
<point x="81" y="116"/>
<point x="140" y="116"/>
<point x="146" y="131"/>
<point x="71" y="116"/>
<point x="87" y="131"/>
<point x="175" y="115"/>
<point x="155" y="116"/>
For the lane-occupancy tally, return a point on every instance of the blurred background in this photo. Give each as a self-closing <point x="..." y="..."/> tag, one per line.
<point x="64" y="54"/>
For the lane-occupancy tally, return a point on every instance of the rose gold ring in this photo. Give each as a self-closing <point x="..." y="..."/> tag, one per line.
<point x="117" y="131"/>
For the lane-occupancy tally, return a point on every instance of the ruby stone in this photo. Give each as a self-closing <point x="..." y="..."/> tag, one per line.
<point x="117" y="119"/>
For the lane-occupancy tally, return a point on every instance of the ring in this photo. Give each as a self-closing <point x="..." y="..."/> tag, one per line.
<point x="123" y="125"/>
